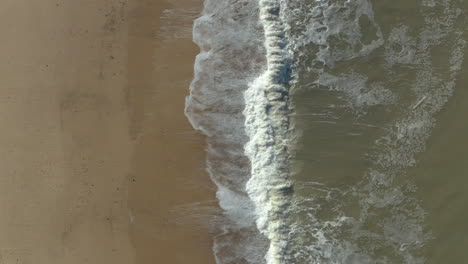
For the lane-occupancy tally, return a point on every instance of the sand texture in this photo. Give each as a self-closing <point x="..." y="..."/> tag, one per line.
<point x="98" y="161"/>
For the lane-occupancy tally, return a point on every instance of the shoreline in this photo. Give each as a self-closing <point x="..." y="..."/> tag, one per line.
<point x="100" y="163"/>
<point x="169" y="155"/>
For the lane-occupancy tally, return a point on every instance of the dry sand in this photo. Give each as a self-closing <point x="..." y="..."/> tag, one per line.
<point x="98" y="161"/>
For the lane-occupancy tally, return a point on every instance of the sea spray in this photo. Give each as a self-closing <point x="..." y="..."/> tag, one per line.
<point x="268" y="126"/>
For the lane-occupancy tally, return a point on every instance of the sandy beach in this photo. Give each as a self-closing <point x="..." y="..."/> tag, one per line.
<point x="99" y="163"/>
<point x="169" y="161"/>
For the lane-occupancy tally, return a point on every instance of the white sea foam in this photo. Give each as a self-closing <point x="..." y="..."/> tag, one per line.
<point x="240" y="99"/>
<point x="268" y="126"/>
<point x="230" y="63"/>
<point x="336" y="28"/>
<point x="232" y="55"/>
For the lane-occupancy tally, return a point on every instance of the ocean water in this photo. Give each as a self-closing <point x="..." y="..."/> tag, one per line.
<point x="336" y="129"/>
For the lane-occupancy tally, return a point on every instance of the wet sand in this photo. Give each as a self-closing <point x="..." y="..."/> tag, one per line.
<point x="98" y="160"/>
<point x="168" y="166"/>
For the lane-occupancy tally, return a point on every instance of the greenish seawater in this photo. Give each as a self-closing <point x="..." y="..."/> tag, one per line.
<point x="381" y="158"/>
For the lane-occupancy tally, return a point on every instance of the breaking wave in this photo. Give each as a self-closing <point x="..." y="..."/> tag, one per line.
<point x="281" y="88"/>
